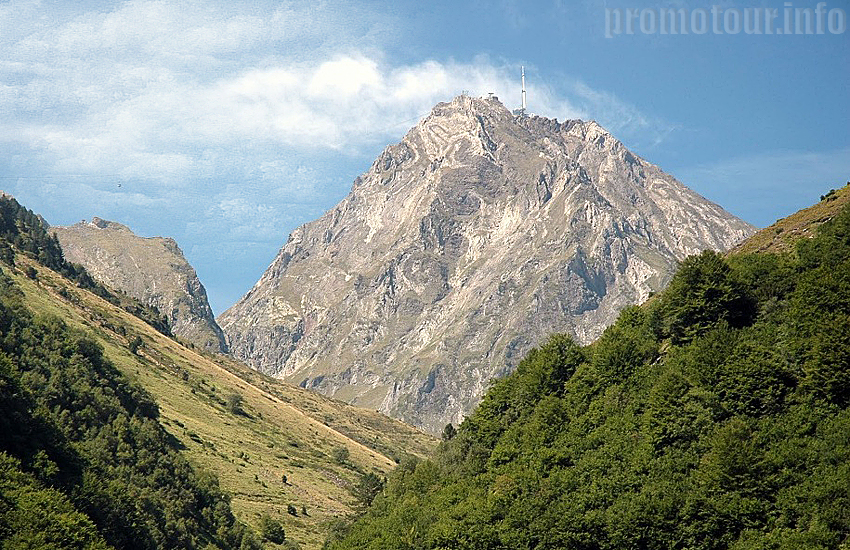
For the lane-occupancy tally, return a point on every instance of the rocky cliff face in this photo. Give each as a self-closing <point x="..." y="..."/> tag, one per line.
<point x="152" y="270"/>
<point x="461" y="248"/>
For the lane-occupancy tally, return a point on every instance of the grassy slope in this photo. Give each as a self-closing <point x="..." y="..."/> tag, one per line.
<point x="781" y="236"/>
<point x="284" y="430"/>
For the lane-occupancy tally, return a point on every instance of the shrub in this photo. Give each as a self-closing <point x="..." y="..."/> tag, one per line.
<point x="340" y="455"/>
<point x="449" y="432"/>
<point x="271" y="529"/>
<point x="368" y="488"/>
<point x="234" y="403"/>
<point x="135" y="344"/>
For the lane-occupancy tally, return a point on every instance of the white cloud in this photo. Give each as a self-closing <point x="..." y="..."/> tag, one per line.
<point x="153" y="90"/>
<point x="239" y="120"/>
<point x="343" y="78"/>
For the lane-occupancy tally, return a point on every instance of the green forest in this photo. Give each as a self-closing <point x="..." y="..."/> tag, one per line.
<point x="712" y="417"/>
<point x="84" y="463"/>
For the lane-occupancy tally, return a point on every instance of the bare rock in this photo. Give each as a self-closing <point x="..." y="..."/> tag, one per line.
<point x="152" y="270"/>
<point x="463" y="246"/>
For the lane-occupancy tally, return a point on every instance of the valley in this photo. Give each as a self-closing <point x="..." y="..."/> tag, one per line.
<point x="279" y="430"/>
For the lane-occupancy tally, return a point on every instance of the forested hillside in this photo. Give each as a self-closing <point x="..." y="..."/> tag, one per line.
<point x="713" y="417"/>
<point x="84" y="463"/>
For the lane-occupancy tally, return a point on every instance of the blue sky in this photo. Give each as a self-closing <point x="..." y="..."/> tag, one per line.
<point x="227" y="124"/>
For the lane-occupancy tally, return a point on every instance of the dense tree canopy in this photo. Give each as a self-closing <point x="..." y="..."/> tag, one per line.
<point x="713" y="417"/>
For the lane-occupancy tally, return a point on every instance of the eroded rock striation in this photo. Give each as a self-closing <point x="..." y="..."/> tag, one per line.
<point x="152" y="270"/>
<point x="463" y="246"/>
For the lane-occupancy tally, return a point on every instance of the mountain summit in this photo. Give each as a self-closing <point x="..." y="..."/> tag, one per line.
<point x="152" y="270"/>
<point x="463" y="246"/>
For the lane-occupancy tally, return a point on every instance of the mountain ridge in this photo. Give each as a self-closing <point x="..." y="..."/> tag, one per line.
<point x="782" y="235"/>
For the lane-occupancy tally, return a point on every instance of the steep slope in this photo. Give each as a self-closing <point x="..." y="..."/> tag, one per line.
<point x="92" y="442"/>
<point x="86" y="462"/>
<point x="462" y="247"/>
<point x="784" y="234"/>
<point x="714" y="417"/>
<point x="248" y="429"/>
<point x="150" y="269"/>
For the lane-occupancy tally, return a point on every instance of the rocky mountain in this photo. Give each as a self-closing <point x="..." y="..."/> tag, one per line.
<point x="152" y="270"/>
<point x="463" y="246"/>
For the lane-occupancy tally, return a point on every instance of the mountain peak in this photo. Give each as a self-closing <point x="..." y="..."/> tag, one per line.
<point x="490" y="111"/>
<point x="471" y="106"/>
<point x="464" y="245"/>
<point x="100" y="223"/>
<point x="487" y="112"/>
<point x="151" y="269"/>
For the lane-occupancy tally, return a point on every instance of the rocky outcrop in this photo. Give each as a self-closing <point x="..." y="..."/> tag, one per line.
<point x="463" y="246"/>
<point x="152" y="270"/>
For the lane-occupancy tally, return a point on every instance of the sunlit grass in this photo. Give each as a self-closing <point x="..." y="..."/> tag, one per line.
<point x="279" y="430"/>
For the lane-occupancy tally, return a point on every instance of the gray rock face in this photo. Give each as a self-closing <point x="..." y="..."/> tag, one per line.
<point x="152" y="270"/>
<point x="461" y="248"/>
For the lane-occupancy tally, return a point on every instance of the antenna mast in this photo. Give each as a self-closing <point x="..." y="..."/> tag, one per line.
<point x="521" y="111"/>
<point x="523" y="88"/>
